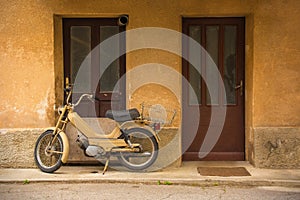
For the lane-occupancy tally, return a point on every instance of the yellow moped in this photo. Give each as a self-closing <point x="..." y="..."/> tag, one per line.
<point x="133" y="141"/>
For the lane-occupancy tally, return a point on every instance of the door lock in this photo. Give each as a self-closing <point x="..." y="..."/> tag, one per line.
<point x="240" y="86"/>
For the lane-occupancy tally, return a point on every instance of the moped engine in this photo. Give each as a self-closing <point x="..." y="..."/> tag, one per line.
<point x="95" y="151"/>
<point x="82" y="141"/>
<point x="90" y="150"/>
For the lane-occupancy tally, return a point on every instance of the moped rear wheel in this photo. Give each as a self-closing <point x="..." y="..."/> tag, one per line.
<point x="47" y="158"/>
<point x="148" y="150"/>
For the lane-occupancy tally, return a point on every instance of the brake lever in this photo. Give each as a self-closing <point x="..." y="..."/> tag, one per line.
<point x="91" y="98"/>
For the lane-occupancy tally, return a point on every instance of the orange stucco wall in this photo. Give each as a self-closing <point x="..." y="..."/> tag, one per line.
<point x="31" y="67"/>
<point x="276" y="64"/>
<point x="27" y="59"/>
<point x="27" y="52"/>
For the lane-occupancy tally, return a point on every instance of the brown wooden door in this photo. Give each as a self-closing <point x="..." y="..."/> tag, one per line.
<point x="81" y="40"/>
<point x="223" y="39"/>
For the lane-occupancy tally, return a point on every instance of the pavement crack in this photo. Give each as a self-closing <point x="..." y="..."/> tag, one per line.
<point x="167" y="197"/>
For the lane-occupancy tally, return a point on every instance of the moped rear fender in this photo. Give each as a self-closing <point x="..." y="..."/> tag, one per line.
<point x="66" y="145"/>
<point x="134" y="124"/>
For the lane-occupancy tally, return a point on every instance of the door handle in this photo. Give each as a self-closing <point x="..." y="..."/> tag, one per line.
<point x="240" y="86"/>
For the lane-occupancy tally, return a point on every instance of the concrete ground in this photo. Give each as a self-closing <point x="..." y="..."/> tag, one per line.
<point x="185" y="175"/>
<point x="111" y="191"/>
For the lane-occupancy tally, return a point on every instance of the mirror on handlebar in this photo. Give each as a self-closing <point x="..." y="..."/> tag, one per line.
<point x="68" y="87"/>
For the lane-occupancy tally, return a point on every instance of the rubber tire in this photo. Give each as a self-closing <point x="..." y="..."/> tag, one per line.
<point x="149" y="163"/>
<point x="36" y="156"/>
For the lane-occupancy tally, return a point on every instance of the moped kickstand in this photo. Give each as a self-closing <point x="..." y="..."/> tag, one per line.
<point x="106" y="164"/>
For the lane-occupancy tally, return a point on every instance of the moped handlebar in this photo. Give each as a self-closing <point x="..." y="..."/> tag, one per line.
<point x="69" y="89"/>
<point x="89" y="96"/>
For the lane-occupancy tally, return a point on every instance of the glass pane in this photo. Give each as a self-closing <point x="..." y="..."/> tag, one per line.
<point x="112" y="73"/>
<point x="230" y="63"/>
<point x="211" y="73"/>
<point x="80" y="49"/>
<point x="194" y="75"/>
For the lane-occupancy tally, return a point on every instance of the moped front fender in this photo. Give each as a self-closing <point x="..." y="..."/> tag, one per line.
<point x="66" y="145"/>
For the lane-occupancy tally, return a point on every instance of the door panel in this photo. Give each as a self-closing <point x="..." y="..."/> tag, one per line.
<point x="81" y="37"/>
<point x="223" y="39"/>
<point x="80" y="47"/>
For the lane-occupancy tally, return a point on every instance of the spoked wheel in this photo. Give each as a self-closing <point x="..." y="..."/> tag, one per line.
<point x="146" y="153"/>
<point x="47" y="158"/>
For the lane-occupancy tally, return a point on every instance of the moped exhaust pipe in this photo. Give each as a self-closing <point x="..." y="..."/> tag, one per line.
<point x="123" y="20"/>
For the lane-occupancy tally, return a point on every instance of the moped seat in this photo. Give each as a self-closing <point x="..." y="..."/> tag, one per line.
<point x="123" y="115"/>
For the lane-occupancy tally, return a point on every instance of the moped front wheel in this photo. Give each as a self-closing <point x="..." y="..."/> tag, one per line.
<point x="147" y="154"/>
<point x="48" y="158"/>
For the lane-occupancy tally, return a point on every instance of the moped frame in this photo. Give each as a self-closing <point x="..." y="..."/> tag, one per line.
<point x="112" y="142"/>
